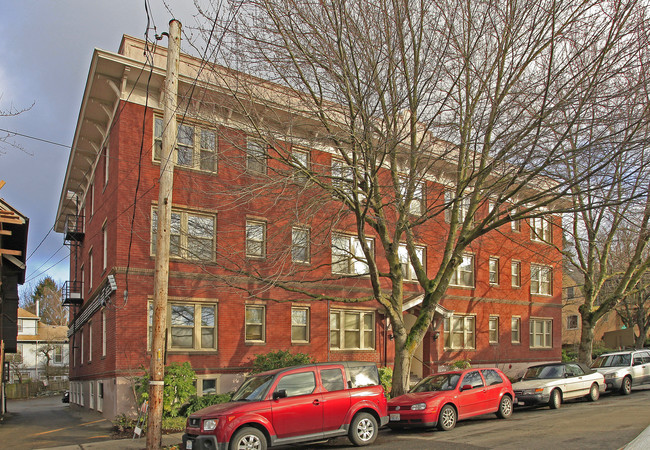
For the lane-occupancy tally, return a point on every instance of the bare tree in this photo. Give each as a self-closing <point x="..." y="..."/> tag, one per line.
<point x="634" y="311"/>
<point x="48" y="293"/>
<point x="451" y="112"/>
<point x="49" y="365"/>
<point x="6" y="136"/>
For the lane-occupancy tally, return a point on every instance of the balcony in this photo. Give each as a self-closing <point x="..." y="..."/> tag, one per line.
<point x="74" y="229"/>
<point x="72" y="293"/>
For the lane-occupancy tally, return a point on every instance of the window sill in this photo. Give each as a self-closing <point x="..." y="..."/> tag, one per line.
<point x="367" y="350"/>
<point x="253" y="343"/>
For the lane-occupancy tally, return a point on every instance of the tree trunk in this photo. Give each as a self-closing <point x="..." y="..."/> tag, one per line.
<point x="401" y="371"/>
<point x="640" y="339"/>
<point x="586" y="342"/>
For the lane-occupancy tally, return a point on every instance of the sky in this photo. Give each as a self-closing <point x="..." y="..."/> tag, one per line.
<point x="45" y="56"/>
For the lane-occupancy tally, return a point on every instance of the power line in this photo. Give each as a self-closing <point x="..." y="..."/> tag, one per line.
<point x="15" y="133"/>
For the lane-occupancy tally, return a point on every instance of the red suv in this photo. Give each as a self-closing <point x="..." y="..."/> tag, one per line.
<point x="292" y="405"/>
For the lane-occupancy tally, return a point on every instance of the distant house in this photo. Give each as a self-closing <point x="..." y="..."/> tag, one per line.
<point x="572" y="298"/>
<point x="42" y="351"/>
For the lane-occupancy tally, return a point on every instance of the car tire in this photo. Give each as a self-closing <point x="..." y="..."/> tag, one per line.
<point x="248" y="438"/>
<point x="505" y="407"/>
<point x="556" y="399"/>
<point x="447" y="418"/>
<point x="363" y="429"/>
<point x="626" y="386"/>
<point x="594" y="393"/>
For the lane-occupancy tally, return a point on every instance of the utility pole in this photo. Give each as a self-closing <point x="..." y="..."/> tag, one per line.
<point x="161" y="277"/>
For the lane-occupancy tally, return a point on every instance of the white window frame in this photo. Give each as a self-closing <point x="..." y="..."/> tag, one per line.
<point x="251" y="240"/>
<point x="541" y="229"/>
<point x="90" y="269"/>
<point x="90" y="341"/>
<point x="180" y="236"/>
<point x="103" y="332"/>
<point x="408" y="272"/>
<point x="515" y="330"/>
<point x="366" y="334"/>
<point x="467" y="331"/>
<point x="301" y="157"/>
<point x="493" y="270"/>
<point x="199" y="148"/>
<point x="81" y="348"/>
<point x="91" y="394"/>
<point x="569" y="319"/>
<point x="100" y="396"/>
<point x="541" y="279"/>
<point x="256" y="157"/>
<point x="57" y="357"/>
<point x="493" y="329"/>
<point x="104" y="245"/>
<point x="542" y="336"/>
<point x="515" y="273"/>
<point x="197" y="326"/>
<point x="261" y="323"/>
<point x="466" y="267"/>
<point x="106" y="163"/>
<point x="303" y="327"/>
<point x="348" y="257"/>
<point x="416" y="205"/>
<point x="342" y="176"/>
<point x="463" y="207"/>
<point x="300" y="245"/>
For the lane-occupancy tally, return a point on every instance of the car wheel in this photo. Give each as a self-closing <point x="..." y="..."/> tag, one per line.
<point x="447" y="418"/>
<point x="505" y="407"/>
<point x="556" y="399"/>
<point x="626" y="386"/>
<point x="248" y="438"/>
<point x="363" y="429"/>
<point x="594" y="393"/>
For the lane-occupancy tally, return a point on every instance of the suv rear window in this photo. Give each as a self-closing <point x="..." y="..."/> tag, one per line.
<point x="362" y="376"/>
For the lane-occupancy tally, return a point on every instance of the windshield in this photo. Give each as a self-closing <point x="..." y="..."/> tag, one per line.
<point x="442" y="382"/>
<point x="253" y="389"/>
<point x="612" y="361"/>
<point x="544" y="372"/>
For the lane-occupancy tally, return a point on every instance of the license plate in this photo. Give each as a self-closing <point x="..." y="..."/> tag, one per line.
<point x="394" y="417"/>
<point x="188" y="445"/>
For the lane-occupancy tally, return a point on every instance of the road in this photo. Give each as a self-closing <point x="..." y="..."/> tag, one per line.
<point x="46" y="422"/>
<point x="610" y="423"/>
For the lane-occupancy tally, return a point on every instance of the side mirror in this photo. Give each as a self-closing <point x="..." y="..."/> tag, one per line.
<point x="466" y="387"/>
<point x="279" y="394"/>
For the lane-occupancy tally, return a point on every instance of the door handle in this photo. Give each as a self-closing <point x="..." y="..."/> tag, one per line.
<point x="317" y="402"/>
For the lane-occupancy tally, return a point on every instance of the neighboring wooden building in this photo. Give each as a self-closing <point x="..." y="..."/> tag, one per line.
<point x="504" y="307"/>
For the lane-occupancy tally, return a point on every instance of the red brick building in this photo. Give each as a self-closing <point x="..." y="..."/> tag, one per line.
<point x="504" y="307"/>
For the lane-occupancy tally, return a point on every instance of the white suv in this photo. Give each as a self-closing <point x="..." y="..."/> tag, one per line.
<point x="622" y="370"/>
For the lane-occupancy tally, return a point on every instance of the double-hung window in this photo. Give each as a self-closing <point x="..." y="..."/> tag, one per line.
<point x="255" y="157"/>
<point x="572" y="322"/>
<point x="348" y="256"/>
<point x="255" y="323"/>
<point x="515" y="330"/>
<point x="416" y="205"/>
<point x="300" y="245"/>
<point x="301" y="164"/>
<point x="493" y="329"/>
<point x="191" y="326"/>
<point x="300" y="324"/>
<point x="463" y="206"/>
<point x="460" y="332"/>
<point x="541" y="331"/>
<point x="196" y="147"/>
<point x="408" y="272"/>
<point x="540" y="229"/>
<point x="515" y="271"/>
<point x="191" y="234"/>
<point x="541" y="279"/>
<point x="464" y="274"/>
<point x="255" y="239"/>
<point x="494" y="270"/>
<point x="352" y="330"/>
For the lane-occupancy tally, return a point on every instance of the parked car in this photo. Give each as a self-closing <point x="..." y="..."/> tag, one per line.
<point x="622" y="370"/>
<point x="555" y="383"/>
<point x="444" y="398"/>
<point x="294" y="405"/>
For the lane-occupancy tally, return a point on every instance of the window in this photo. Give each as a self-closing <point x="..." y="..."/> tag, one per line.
<point x="192" y="235"/>
<point x="81" y="347"/>
<point x="91" y="396"/>
<point x="82" y="275"/>
<point x="255" y="157"/>
<point x="104" y="246"/>
<point x="194" y="153"/>
<point x="473" y="379"/>
<point x="332" y="379"/>
<point x="297" y="384"/>
<point x="463" y="206"/>
<point x="255" y="323"/>
<point x="100" y="396"/>
<point x="103" y="332"/>
<point x="464" y="274"/>
<point x="460" y="332"/>
<point x="208" y="386"/>
<point x="192" y="326"/>
<point x="491" y="377"/>
<point x="299" y="324"/>
<point x="515" y="225"/>
<point x="494" y="330"/>
<point x="342" y="176"/>
<point x="416" y="206"/>
<point x="494" y="271"/>
<point x="570" y="292"/>
<point x="541" y="279"/>
<point x="90" y="269"/>
<point x="515" y="270"/>
<point x="255" y="239"/>
<point x="540" y="333"/>
<point x="408" y="272"/>
<point x="90" y="341"/>
<point x="348" y="256"/>
<point x="20" y="325"/>
<point x="301" y="164"/>
<point x="300" y="245"/>
<point x="515" y="330"/>
<point x="572" y="322"/>
<point x="106" y="164"/>
<point x="352" y="330"/>
<point x="92" y="198"/>
<point x="540" y="229"/>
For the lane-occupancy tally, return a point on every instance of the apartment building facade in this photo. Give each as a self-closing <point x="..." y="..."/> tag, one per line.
<point x="504" y="306"/>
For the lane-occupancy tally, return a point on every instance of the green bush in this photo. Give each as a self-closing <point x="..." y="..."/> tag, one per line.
<point x="179" y="387"/>
<point x="195" y="403"/>
<point x="569" y="355"/>
<point x="461" y="364"/>
<point x="279" y="359"/>
<point x="386" y="379"/>
<point x="599" y="348"/>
